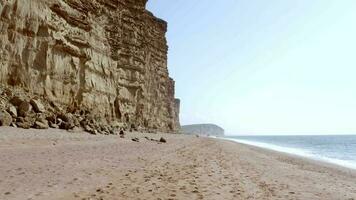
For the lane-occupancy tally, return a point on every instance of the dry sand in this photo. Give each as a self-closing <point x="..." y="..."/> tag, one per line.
<point x="53" y="164"/>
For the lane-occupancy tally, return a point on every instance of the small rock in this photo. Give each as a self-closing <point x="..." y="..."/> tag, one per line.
<point x="162" y="140"/>
<point x="122" y="132"/>
<point x="135" y="140"/>
<point x="5" y="119"/>
<point x="38" y="106"/>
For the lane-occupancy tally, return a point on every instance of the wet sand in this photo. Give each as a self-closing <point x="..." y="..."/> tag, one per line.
<point x="53" y="164"/>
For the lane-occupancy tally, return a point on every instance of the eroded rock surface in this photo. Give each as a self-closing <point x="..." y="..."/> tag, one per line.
<point x="104" y="62"/>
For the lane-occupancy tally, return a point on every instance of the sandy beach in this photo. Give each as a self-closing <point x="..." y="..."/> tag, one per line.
<point x="54" y="164"/>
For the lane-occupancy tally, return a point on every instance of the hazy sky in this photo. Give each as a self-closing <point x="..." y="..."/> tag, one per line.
<point x="264" y="67"/>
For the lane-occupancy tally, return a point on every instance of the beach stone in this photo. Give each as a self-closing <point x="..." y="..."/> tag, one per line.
<point x="122" y="132"/>
<point x="135" y="140"/>
<point x="5" y="118"/>
<point x="162" y="140"/>
<point x="38" y="106"/>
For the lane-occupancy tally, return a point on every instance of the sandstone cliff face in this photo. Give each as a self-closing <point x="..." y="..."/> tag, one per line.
<point x="101" y="58"/>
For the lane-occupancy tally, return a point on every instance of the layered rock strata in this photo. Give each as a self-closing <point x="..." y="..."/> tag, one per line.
<point x="85" y="62"/>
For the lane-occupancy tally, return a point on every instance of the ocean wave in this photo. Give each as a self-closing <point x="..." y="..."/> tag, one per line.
<point x="299" y="152"/>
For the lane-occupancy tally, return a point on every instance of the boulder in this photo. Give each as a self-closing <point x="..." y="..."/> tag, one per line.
<point x="24" y="109"/>
<point x="87" y="128"/>
<point x="52" y="119"/>
<point x="24" y="125"/>
<point x="38" y="106"/>
<point x="53" y="125"/>
<point x="162" y="140"/>
<point x="17" y="101"/>
<point x="26" y="122"/>
<point x="12" y="111"/>
<point x="67" y="121"/>
<point x="41" y="125"/>
<point x="67" y="125"/>
<point x="5" y="118"/>
<point x="56" y="107"/>
<point x="94" y="132"/>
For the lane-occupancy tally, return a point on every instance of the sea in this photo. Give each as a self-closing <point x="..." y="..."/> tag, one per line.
<point x="334" y="149"/>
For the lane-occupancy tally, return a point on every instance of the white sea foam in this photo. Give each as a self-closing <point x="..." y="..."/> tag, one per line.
<point x="298" y="152"/>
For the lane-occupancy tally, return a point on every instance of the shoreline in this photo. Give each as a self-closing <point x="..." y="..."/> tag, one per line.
<point x="293" y="152"/>
<point x="53" y="164"/>
<point x="320" y="163"/>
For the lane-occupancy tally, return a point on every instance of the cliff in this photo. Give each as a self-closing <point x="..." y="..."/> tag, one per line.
<point x="97" y="63"/>
<point x="203" y="129"/>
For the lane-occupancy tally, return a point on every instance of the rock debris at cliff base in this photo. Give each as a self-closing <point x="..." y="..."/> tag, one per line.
<point x="91" y="64"/>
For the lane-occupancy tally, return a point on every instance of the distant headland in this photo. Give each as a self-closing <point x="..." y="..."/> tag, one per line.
<point x="203" y="129"/>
